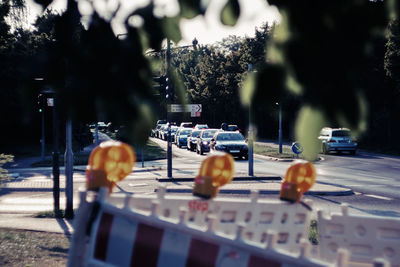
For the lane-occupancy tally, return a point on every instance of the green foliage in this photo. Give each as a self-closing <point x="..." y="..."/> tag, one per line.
<point x="230" y="12"/>
<point x="318" y="53"/>
<point x="321" y="56"/>
<point x="213" y="75"/>
<point x="3" y="160"/>
<point x="313" y="233"/>
<point x="190" y="9"/>
<point x="392" y="54"/>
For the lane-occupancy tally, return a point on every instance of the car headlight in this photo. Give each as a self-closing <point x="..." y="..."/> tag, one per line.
<point x="205" y="143"/>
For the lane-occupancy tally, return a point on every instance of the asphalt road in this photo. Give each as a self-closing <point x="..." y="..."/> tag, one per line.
<point x="375" y="179"/>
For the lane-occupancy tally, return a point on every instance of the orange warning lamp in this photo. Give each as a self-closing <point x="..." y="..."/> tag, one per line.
<point x="298" y="179"/>
<point x="109" y="163"/>
<point x="215" y="171"/>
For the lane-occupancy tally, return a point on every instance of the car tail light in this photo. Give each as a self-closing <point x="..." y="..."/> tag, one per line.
<point x="331" y="141"/>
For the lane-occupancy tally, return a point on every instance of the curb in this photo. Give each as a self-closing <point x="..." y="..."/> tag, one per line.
<point x="272" y="158"/>
<point x="265" y="192"/>
<point x="246" y="178"/>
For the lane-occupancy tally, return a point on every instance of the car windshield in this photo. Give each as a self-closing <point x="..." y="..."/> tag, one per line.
<point x="208" y="134"/>
<point x="174" y="130"/>
<point x="229" y="137"/>
<point x="195" y="133"/>
<point x="341" y="133"/>
<point x="185" y="132"/>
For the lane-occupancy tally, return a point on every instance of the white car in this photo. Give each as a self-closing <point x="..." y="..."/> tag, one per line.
<point x="337" y="139"/>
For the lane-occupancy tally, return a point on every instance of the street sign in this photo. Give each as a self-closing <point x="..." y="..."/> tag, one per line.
<point x="192" y="108"/>
<point x="297" y="148"/>
<point x="175" y="108"/>
<point x="196" y="107"/>
<point x="50" y="102"/>
<point x="195" y="114"/>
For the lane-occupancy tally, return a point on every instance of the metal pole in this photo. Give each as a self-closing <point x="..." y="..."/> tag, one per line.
<point x="280" y="128"/>
<point x="142" y="157"/>
<point x="43" y="135"/>
<point x="169" y="144"/>
<point x="69" y="170"/>
<point x="251" y="144"/>
<point x="56" y="167"/>
<point x="96" y="134"/>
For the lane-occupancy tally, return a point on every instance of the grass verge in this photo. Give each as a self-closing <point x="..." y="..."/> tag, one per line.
<point x="266" y="150"/>
<point x="31" y="248"/>
<point x="51" y="214"/>
<point x="151" y="151"/>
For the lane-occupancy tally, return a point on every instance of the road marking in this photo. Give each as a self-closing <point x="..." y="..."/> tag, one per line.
<point x="379" y="197"/>
<point x="137" y="185"/>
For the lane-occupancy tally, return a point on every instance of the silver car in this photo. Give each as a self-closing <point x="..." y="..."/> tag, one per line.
<point x="337" y="139"/>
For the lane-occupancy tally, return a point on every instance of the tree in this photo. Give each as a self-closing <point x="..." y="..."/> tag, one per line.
<point x="392" y="54"/>
<point x="317" y="53"/>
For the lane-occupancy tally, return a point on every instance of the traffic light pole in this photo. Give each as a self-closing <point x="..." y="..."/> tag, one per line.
<point x="42" y="141"/>
<point x="169" y="97"/>
<point x="69" y="170"/>
<point x="56" y="167"/>
<point x="251" y="138"/>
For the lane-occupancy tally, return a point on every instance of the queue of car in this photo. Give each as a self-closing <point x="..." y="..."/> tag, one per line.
<point x="202" y="139"/>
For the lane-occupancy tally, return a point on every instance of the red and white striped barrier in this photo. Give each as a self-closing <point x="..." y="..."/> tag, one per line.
<point x="369" y="240"/>
<point x="120" y="237"/>
<point x="188" y="231"/>
<point x="289" y="221"/>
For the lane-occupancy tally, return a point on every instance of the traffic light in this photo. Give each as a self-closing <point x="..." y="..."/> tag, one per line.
<point x="41" y="101"/>
<point x="160" y="83"/>
<point x="165" y="86"/>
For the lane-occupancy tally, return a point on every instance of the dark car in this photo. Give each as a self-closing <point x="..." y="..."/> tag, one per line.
<point x="186" y="125"/>
<point x="182" y="136"/>
<point x="192" y="140"/>
<point x="230" y="142"/>
<point x="203" y="141"/>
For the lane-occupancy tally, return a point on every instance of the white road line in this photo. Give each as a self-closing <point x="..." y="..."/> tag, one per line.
<point x="379" y="197"/>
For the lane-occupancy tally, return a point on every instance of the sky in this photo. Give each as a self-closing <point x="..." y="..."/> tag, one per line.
<point x="206" y="29"/>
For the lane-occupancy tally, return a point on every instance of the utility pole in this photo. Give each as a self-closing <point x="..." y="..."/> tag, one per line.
<point x="69" y="170"/>
<point x="56" y="167"/>
<point x="280" y="127"/>
<point x="169" y="97"/>
<point x="42" y="105"/>
<point x="251" y="144"/>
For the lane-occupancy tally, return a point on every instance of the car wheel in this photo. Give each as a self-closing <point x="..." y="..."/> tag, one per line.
<point x="352" y="152"/>
<point x="201" y="151"/>
<point x="246" y="157"/>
